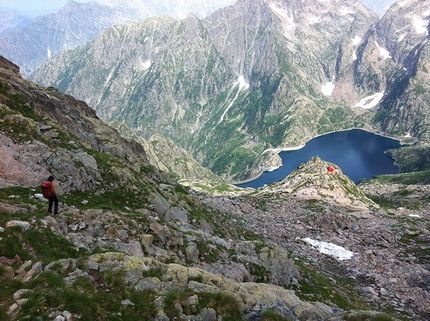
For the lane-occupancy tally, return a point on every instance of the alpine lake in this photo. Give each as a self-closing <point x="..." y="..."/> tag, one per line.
<point x="359" y="154"/>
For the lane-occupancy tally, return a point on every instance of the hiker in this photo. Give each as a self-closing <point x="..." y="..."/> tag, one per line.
<point x="48" y="191"/>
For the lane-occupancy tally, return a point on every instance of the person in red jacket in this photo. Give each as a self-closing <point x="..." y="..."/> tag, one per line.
<point x="53" y="198"/>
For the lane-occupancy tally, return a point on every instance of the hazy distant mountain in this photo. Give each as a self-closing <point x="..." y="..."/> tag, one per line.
<point x="12" y="21"/>
<point x="77" y="23"/>
<point x="379" y="6"/>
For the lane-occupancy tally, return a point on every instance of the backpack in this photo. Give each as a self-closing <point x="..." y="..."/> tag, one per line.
<point x="46" y="189"/>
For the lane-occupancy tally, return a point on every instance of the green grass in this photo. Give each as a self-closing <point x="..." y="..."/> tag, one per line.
<point x="115" y="199"/>
<point x="318" y="287"/>
<point x="156" y="272"/>
<point x="176" y="297"/>
<point x="50" y="246"/>
<point x="89" y="300"/>
<point x="40" y="244"/>
<point x="197" y="278"/>
<point x="271" y="315"/>
<point x="12" y="244"/>
<point x="406" y="178"/>
<point x="368" y="317"/>
<point x="224" y="304"/>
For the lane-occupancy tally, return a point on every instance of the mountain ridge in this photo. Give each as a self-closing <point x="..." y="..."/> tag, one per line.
<point x="304" y="69"/>
<point x="130" y="240"/>
<point x="78" y="22"/>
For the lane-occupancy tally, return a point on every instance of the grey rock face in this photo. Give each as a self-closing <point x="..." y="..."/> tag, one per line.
<point x="78" y="22"/>
<point x="261" y="93"/>
<point x="215" y="91"/>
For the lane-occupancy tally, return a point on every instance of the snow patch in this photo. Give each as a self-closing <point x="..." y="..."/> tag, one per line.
<point x="330" y="249"/>
<point x="346" y="11"/>
<point x="49" y="53"/>
<point x="414" y="215"/>
<point x="401" y="37"/>
<point x="403" y="3"/>
<point x="242" y="83"/>
<point x="356" y="40"/>
<point x="370" y="101"/>
<point x="383" y="52"/>
<point x="420" y="25"/>
<point x="354" y="56"/>
<point x="286" y="19"/>
<point x="146" y="64"/>
<point x="314" y="19"/>
<point x="328" y="88"/>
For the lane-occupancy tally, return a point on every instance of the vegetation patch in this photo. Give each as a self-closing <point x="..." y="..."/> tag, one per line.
<point x="271" y="315"/>
<point x="86" y="299"/>
<point x="224" y="304"/>
<point x="318" y="287"/>
<point x="175" y="301"/>
<point x="368" y="317"/>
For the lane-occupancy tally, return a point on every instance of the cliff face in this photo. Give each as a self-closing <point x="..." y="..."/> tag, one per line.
<point x="393" y="60"/>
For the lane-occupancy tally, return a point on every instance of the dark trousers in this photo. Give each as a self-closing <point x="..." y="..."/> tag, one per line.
<point x="53" y="200"/>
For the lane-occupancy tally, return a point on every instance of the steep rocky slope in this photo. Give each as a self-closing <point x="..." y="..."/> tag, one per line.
<point x="163" y="154"/>
<point x="256" y="75"/>
<point x="130" y="243"/>
<point x="193" y="83"/>
<point x="78" y="22"/>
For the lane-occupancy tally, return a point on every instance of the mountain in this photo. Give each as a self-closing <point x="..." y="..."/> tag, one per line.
<point x="79" y="22"/>
<point x="11" y="21"/>
<point x="256" y="76"/>
<point x="380" y="7"/>
<point x="164" y="155"/>
<point x="130" y="242"/>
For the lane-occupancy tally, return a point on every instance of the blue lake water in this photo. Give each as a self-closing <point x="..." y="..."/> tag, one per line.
<point x="358" y="153"/>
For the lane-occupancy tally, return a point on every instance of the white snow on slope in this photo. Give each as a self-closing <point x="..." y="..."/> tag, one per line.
<point x="403" y="3"/>
<point x="383" y="52"/>
<point x="331" y="249"/>
<point x="242" y="86"/>
<point x="49" y="53"/>
<point x="346" y="11"/>
<point x="286" y="19"/>
<point x="370" y="101"/>
<point x="242" y="83"/>
<point x="146" y="64"/>
<point x="328" y="88"/>
<point x="420" y="25"/>
<point x="356" y="40"/>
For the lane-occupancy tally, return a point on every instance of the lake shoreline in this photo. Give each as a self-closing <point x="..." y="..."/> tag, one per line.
<point x="294" y="148"/>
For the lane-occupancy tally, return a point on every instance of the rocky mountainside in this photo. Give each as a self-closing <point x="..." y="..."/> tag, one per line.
<point x="255" y="76"/>
<point x="393" y="60"/>
<point x="79" y="22"/>
<point x="10" y="21"/>
<point x="164" y="155"/>
<point x="130" y="243"/>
